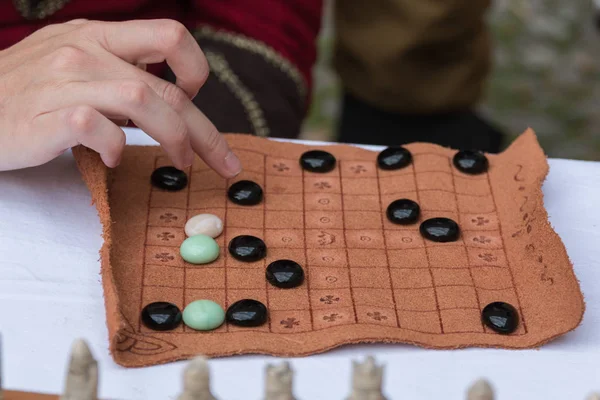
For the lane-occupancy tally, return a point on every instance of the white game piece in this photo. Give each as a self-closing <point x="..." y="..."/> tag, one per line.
<point x="367" y="381"/>
<point x="480" y="390"/>
<point x="204" y="224"/>
<point x="82" y="377"/>
<point x="196" y="381"/>
<point x="279" y="382"/>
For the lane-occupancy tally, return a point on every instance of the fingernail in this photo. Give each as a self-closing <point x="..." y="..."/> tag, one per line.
<point x="233" y="164"/>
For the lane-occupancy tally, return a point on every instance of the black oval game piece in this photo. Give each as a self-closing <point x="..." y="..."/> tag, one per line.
<point x="245" y="193"/>
<point x="500" y="317"/>
<point x="317" y="161"/>
<point x="403" y="212"/>
<point x="440" y="230"/>
<point x="395" y="157"/>
<point x="169" y="178"/>
<point x="471" y="162"/>
<point x="161" y="316"/>
<point x="247" y="248"/>
<point x="285" y="274"/>
<point x="246" y="312"/>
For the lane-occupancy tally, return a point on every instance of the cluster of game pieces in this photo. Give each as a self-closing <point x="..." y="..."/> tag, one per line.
<point x="200" y="246"/>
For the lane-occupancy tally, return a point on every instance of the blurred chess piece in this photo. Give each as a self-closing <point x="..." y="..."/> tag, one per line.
<point x="480" y="390"/>
<point x="82" y="377"/>
<point x="196" y="381"/>
<point x="279" y="382"/>
<point x="593" y="396"/>
<point x="367" y="381"/>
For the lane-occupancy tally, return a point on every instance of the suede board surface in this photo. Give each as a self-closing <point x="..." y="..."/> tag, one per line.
<point x="367" y="280"/>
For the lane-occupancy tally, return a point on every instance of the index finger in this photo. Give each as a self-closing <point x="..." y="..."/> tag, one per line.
<point x="154" y="41"/>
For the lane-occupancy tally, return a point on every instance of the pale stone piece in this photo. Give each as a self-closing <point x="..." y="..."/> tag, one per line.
<point x="480" y="390"/>
<point x="196" y="381"/>
<point x="279" y="382"/>
<point x="82" y="377"/>
<point x="367" y="380"/>
<point x="204" y="224"/>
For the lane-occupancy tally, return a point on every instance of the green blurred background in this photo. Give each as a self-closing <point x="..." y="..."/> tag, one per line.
<point x="546" y="76"/>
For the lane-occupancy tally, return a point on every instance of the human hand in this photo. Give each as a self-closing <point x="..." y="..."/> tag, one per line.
<point x="68" y="84"/>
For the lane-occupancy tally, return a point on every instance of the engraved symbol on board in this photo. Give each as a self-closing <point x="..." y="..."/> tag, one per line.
<point x="530" y="247"/>
<point x="164" y="257"/>
<point x="481" y="239"/>
<point x="329" y="299"/>
<point x="281" y="167"/>
<point x="327" y="258"/>
<point x="487" y="257"/>
<point x="529" y="228"/>
<point x="365" y="239"/>
<point x="331" y="317"/>
<point x="286" y="239"/>
<point x="325" y="220"/>
<point x="278" y="189"/>
<point x="165" y="236"/>
<point x="322" y="185"/>
<point x="521" y="188"/>
<point x="407" y="239"/>
<point x="524" y="202"/>
<point x="326" y="238"/>
<point x="289" y="323"/>
<point x="545" y="278"/>
<point x="324" y="201"/>
<point x="525" y="216"/>
<point x="517" y="233"/>
<point x="517" y="178"/>
<point x="168" y="217"/>
<point x="479" y="221"/>
<point x="377" y="316"/>
<point x="358" y="169"/>
<point x="331" y="279"/>
<point x="540" y="259"/>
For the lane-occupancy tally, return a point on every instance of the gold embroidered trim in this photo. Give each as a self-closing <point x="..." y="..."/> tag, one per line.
<point x="42" y="10"/>
<point x="258" y="48"/>
<point x="220" y="67"/>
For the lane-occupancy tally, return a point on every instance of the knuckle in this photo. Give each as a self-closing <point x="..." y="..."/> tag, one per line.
<point x="134" y="93"/>
<point x="174" y="96"/>
<point x="82" y="119"/>
<point x="213" y="140"/>
<point x="67" y="57"/>
<point x="180" y="133"/>
<point x="173" y="34"/>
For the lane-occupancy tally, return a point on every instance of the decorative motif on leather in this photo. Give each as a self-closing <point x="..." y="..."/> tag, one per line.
<point x="129" y="341"/>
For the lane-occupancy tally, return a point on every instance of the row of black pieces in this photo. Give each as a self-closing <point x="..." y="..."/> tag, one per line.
<point x="392" y="158"/>
<point x="163" y="316"/>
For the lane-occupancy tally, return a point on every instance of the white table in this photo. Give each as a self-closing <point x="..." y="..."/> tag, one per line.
<point x="50" y="294"/>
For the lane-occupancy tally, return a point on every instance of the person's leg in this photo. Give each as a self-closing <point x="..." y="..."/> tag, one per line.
<point x="362" y="123"/>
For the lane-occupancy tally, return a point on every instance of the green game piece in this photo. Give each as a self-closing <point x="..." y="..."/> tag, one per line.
<point x="199" y="249"/>
<point x="203" y="315"/>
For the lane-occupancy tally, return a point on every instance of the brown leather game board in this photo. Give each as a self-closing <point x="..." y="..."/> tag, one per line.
<point x="367" y="280"/>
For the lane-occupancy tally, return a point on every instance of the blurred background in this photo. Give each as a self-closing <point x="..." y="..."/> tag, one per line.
<point x="546" y="75"/>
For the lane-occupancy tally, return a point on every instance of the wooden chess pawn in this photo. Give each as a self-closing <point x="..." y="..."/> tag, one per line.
<point x="196" y="381"/>
<point x="279" y="382"/>
<point x="82" y="377"/>
<point x="480" y="390"/>
<point x="367" y="381"/>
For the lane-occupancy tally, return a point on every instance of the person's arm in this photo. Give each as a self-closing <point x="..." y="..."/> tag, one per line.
<point x="261" y="56"/>
<point x="66" y="84"/>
